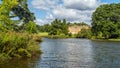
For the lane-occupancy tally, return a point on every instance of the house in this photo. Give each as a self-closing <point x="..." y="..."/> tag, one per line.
<point x="74" y="29"/>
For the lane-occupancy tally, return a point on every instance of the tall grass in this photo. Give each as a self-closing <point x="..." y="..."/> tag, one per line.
<point x="13" y="44"/>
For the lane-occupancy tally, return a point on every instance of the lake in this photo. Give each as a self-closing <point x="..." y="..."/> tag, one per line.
<point x="72" y="53"/>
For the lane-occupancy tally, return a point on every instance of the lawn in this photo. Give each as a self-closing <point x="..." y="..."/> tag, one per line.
<point x="43" y="34"/>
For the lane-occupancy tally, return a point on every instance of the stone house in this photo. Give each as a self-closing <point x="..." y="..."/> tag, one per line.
<point x="74" y="29"/>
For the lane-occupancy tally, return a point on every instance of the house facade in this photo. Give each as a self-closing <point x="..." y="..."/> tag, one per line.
<point x="74" y="29"/>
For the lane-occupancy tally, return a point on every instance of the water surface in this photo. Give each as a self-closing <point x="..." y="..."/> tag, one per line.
<point x="73" y="53"/>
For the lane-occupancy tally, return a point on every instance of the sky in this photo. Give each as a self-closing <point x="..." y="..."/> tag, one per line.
<point x="71" y="10"/>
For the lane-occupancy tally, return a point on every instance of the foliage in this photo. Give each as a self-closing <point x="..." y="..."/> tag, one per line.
<point x="5" y="22"/>
<point x="14" y="44"/>
<point x="58" y="27"/>
<point x="44" y="28"/>
<point x="13" y="8"/>
<point x="106" y="21"/>
<point x="84" y="33"/>
<point x="79" y="24"/>
<point x="22" y="12"/>
<point x="30" y="27"/>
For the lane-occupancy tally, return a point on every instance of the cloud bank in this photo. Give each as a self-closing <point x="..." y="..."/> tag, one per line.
<point x="72" y="10"/>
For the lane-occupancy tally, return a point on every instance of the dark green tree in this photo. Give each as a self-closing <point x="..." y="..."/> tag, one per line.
<point x="22" y="12"/>
<point x="5" y="9"/>
<point x="14" y="8"/>
<point x="106" y="21"/>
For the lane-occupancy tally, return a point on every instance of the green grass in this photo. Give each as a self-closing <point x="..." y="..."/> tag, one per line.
<point x="43" y="34"/>
<point x="117" y="40"/>
<point x="57" y="36"/>
<point x="111" y="40"/>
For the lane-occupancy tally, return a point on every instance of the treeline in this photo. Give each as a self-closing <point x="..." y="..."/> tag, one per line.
<point x="56" y="27"/>
<point x="59" y="28"/>
<point x="17" y="40"/>
<point x="78" y="24"/>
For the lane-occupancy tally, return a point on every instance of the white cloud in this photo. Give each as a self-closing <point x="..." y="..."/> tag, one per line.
<point x="49" y="16"/>
<point x="72" y="10"/>
<point x="42" y="21"/>
<point x="73" y="15"/>
<point x="61" y="13"/>
<point x="48" y="19"/>
<point x="39" y="21"/>
<point x="44" y="4"/>
<point x="81" y="4"/>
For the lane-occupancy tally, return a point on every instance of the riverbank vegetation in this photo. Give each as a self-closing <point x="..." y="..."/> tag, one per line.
<point x="17" y="40"/>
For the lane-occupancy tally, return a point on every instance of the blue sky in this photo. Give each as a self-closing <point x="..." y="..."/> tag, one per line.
<point x="72" y="10"/>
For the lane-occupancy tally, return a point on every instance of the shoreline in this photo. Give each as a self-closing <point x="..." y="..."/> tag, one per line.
<point x="109" y="40"/>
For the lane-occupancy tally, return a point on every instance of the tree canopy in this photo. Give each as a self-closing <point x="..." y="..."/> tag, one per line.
<point x="22" y="11"/>
<point x="106" y="21"/>
<point x="59" y="27"/>
<point x="15" y="8"/>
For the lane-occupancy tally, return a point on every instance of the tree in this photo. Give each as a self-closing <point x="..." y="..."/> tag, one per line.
<point x="105" y="20"/>
<point x="64" y="27"/>
<point x="5" y="9"/>
<point x="20" y="10"/>
<point x="84" y="33"/>
<point x="30" y="27"/>
<point x="13" y="8"/>
<point x="59" y="27"/>
<point x="44" y="28"/>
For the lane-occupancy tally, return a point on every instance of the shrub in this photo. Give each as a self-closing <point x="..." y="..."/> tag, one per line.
<point x="14" y="44"/>
<point x="84" y="33"/>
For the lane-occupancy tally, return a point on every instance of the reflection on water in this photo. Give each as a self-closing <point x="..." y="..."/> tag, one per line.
<point x="20" y="63"/>
<point x="107" y="54"/>
<point x="73" y="53"/>
<point x="67" y="53"/>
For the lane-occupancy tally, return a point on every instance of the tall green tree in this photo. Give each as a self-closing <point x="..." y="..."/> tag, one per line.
<point x="22" y="12"/>
<point x="5" y="9"/>
<point x="59" y="27"/>
<point x="106" y="21"/>
<point x="14" y="8"/>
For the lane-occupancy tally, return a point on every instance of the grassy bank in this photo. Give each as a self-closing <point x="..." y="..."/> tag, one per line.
<point x="45" y="34"/>
<point x="111" y="40"/>
<point x="14" y="44"/>
<point x="117" y="40"/>
<point x="57" y="36"/>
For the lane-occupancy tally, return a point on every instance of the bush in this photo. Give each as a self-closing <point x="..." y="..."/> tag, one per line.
<point x="14" y="44"/>
<point x="84" y="33"/>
